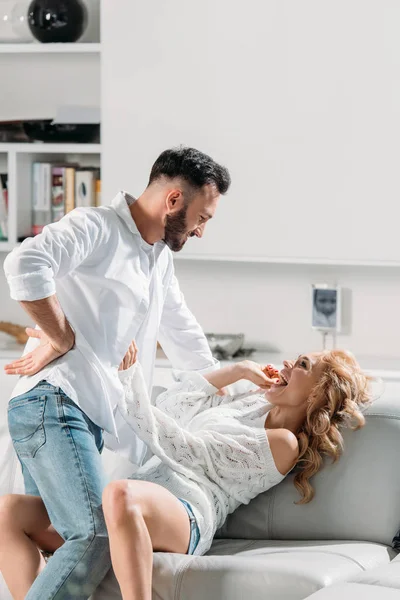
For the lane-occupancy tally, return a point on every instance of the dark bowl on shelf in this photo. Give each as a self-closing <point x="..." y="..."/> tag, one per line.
<point x="12" y="132"/>
<point x="46" y="131"/>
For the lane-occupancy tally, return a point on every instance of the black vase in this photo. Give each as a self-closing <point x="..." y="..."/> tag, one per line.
<point x="57" y="20"/>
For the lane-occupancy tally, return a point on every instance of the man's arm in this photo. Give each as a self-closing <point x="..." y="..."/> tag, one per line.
<point x="181" y="336"/>
<point x="31" y="271"/>
<point x="56" y="336"/>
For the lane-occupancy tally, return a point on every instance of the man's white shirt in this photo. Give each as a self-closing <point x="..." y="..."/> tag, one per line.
<point x="113" y="287"/>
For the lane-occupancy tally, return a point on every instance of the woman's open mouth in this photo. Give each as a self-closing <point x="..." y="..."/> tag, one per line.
<point x="282" y="380"/>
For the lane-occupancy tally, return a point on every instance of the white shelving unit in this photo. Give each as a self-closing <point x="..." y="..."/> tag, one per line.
<point x="36" y="48"/>
<point x="18" y="160"/>
<point x="76" y="68"/>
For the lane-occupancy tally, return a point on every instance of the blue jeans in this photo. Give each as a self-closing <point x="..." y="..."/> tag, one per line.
<point x="59" y="450"/>
<point x="194" y="528"/>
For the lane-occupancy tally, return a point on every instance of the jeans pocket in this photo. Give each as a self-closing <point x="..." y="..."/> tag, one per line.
<point x="26" y="424"/>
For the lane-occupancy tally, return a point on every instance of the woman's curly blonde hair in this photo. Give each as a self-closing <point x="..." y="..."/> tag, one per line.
<point x="335" y="401"/>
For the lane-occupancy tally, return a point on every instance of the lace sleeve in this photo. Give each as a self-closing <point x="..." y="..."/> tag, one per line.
<point x="190" y="396"/>
<point x="161" y="432"/>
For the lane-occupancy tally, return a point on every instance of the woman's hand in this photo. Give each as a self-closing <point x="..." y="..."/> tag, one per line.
<point x="245" y="369"/>
<point x="129" y="358"/>
<point x="41" y="356"/>
<point x="255" y="373"/>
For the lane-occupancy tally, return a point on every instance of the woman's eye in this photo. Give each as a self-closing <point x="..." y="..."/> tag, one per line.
<point x="303" y="364"/>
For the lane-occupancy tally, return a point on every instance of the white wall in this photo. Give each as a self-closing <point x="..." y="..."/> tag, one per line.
<point x="270" y="304"/>
<point x="299" y="99"/>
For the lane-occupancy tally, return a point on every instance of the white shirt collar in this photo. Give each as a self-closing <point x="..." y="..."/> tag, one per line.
<point x="121" y="204"/>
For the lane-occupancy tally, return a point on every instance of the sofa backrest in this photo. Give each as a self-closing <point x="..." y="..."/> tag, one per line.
<point x="358" y="498"/>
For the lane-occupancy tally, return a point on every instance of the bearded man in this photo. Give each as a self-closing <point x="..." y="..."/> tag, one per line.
<point x="93" y="282"/>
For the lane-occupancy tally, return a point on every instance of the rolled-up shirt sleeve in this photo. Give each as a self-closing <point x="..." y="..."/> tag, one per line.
<point x="32" y="268"/>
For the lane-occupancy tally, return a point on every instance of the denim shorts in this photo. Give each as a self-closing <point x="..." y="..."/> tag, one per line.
<point x="194" y="528"/>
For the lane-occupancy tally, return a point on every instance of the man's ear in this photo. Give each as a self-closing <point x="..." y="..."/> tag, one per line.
<point x="174" y="201"/>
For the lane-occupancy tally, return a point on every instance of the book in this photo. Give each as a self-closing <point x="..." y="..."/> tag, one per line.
<point x="85" y="186"/>
<point x="41" y="196"/>
<point x="98" y="192"/>
<point x="57" y="193"/>
<point x="3" y="207"/>
<point x="63" y="191"/>
<point x="53" y="192"/>
<point x="4" y="183"/>
<point x="69" y="189"/>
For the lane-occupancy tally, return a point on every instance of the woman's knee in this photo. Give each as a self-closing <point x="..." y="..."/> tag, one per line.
<point x="120" y="503"/>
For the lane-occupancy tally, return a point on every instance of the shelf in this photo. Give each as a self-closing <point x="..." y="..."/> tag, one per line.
<point x="289" y="260"/>
<point x="37" y="48"/>
<point x="52" y="148"/>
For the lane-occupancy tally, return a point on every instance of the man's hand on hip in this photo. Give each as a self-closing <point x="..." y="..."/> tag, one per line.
<point x="129" y="358"/>
<point x="39" y="358"/>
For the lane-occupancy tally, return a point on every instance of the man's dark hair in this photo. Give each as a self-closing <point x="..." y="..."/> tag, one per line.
<point x="196" y="168"/>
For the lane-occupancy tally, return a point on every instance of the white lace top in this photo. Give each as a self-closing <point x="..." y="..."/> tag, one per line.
<point x="209" y="450"/>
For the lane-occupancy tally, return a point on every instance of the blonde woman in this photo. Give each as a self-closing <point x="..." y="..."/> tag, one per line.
<point x="211" y="454"/>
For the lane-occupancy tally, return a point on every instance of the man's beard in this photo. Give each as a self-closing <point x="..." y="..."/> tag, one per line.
<point x="176" y="232"/>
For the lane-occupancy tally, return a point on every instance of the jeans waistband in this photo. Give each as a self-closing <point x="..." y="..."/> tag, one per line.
<point x="45" y="385"/>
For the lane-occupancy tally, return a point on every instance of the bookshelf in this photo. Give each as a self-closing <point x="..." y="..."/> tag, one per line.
<point x="36" y="80"/>
<point x="16" y="160"/>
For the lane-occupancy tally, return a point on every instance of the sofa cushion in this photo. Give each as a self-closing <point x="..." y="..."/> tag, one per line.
<point x="356" y="591"/>
<point x="356" y="499"/>
<point x="384" y="575"/>
<point x="238" y="569"/>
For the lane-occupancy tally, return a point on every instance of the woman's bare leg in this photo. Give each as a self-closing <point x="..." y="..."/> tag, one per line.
<point x="142" y="517"/>
<point x="24" y="528"/>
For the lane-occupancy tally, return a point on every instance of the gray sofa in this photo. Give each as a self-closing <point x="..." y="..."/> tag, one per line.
<point x="274" y="549"/>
